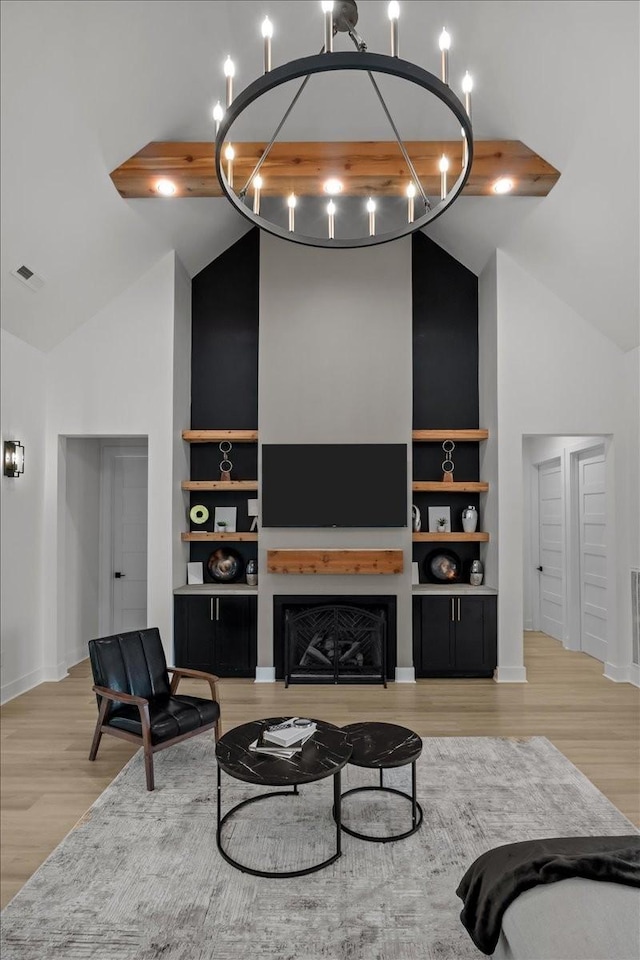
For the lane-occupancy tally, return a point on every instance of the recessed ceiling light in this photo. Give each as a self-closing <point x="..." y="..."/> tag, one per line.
<point x="166" y="188"/>
<point x="332" y="186"/>
<point x="503" y="185"/>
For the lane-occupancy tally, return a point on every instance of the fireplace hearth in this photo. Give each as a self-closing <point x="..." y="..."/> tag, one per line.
<point x="341" y="639"/>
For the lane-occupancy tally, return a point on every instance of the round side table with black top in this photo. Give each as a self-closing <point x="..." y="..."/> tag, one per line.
<point x="324" y="755"/>
<point x="382" y="746"/>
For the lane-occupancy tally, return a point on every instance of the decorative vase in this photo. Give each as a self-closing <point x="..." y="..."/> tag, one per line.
<point x="469" y="519"/>
<point x="477" y="573"/>
<point x="252" y="573"/>
<point x="416" y="519"/>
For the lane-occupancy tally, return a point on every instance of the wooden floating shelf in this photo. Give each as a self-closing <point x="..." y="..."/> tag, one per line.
<point x="335" y="561"/>
<point x="451" y="537"/>
<point x="215" y="436"/>
<point x="437" y="486"/>
<point x="195" y="537"/>
<point x="430" y="436"/>
<point x="238" y="485"/>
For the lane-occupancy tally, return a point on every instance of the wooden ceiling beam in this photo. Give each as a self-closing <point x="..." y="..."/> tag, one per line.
<point x="371" y="168"/>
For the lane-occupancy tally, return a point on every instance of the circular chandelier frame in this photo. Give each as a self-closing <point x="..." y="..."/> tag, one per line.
<point x="325" y="63"/>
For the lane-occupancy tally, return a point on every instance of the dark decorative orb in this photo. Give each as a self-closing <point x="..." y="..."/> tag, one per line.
<point x="225" y="565"/>
<point x="443" y="566"/>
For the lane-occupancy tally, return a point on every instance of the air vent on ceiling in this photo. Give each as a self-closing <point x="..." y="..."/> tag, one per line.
<point x="27" y="276"/>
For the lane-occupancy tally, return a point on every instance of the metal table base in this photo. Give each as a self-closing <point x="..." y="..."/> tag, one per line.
<point x="279" y="793"/>
<point x="416" y="809"/>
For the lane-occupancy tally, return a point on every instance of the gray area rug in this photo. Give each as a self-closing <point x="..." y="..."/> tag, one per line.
<point x="140" y="877"/>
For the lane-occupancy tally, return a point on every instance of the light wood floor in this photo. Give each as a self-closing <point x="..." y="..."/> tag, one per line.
<point x="48" y="783"/>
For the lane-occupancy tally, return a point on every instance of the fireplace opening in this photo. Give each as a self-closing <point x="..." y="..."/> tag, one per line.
<point x="338" y="639"/>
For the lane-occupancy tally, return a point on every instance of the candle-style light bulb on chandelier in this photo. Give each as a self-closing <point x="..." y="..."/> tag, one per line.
<point x="403" y="204"/>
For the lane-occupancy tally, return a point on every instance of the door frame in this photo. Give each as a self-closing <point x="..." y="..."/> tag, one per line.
<point x="574" y="573"/>
<point x="119" y="447"/>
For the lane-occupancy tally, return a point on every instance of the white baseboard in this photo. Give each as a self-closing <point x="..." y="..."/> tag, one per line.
<point x="510" y="675"/>
<point x="77" y="655"/>
<point x="405" y="675"/>
<point x="630" y="673"/>
<point x="265" y="675"/>
<point x="14" y="688"/>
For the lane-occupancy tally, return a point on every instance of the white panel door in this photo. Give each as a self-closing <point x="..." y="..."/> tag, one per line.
<point x="129" y="542"/>
<point x="551" y="548"/>
<point x="593" y="555"/>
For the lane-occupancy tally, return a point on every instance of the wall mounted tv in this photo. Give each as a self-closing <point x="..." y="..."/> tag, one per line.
<point x="334" y="485"/>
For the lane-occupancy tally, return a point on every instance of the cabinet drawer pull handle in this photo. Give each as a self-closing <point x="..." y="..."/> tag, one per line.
<point x="452" y="610"/>
<point x="211" y="608"/>
<point x="458" y="609"/>
<point x="217" y="608"/>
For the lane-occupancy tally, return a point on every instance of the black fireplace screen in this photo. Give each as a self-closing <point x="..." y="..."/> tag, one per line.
<point x="335" y="643"/>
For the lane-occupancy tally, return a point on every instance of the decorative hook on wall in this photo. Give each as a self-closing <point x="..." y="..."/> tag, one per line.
<point x="13" y="458"/>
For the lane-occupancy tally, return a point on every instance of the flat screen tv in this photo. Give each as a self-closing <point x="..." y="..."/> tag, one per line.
<point x="334" y="485"/>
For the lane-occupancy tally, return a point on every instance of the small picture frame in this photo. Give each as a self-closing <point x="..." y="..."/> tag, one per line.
<point x="225" y="519"/>
<point x="415" y="572"/>
<point x="439" y="519"/>
<point x="195" y="572"/>
<point x="252" y="511"/>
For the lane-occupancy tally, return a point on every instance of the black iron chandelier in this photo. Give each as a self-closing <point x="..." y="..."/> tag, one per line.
<point x="313" y="217"/>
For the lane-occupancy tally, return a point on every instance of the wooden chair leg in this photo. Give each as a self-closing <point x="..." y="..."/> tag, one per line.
<point x="148" y="750"/>
<point x="148" y="767"/>
<point x="97" y="736"/>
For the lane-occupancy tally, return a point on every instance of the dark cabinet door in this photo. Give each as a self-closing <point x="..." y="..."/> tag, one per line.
<point x="235" y="636"/>
<point x="455" y="636"/>
<point x="436" y="646"/>
<point x="216" y="634"/>
<point x="194" y="633"/>
<point x="470" y="645"/>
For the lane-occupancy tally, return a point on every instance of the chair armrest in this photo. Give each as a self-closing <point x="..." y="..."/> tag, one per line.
<point x="179" y="672"/>
<point x="120" y="697"/>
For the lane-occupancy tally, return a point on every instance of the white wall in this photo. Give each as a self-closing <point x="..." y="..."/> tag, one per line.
<point x="181" y="421"/>
<point x="557" y="374"/>
<point x="23" y="377"/>
<point x="335" y="367"/>
<point x="488" y="416"/>
<point x="114" y="376"/>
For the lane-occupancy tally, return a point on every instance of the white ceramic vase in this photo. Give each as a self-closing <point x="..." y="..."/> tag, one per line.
<point x="469" y="519"/>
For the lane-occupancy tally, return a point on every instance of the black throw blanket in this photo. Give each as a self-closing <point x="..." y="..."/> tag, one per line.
<point x="500" y="875"/>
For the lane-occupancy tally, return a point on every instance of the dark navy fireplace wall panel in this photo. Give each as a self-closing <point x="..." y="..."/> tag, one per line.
<point x="224" y="376"/>
<point x="445" y="380"/>
<point x="224" y="345"/>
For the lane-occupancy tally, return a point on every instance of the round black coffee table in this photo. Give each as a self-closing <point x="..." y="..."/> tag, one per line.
<point x="382" y="746"/>
<point x="324" y="755"/>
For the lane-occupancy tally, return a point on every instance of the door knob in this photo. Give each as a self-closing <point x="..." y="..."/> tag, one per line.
<point x="118" y="575"/>
<point x="539" y="568"/>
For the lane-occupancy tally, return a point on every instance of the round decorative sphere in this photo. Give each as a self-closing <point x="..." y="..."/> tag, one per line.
<point x="225" y="565"/>
<point x="443" y="566"/>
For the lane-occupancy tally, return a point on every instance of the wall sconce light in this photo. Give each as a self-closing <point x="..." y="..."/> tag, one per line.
<point x="13" y="458"/>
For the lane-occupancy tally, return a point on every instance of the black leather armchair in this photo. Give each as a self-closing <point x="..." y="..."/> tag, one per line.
<point x="136" y="700"/>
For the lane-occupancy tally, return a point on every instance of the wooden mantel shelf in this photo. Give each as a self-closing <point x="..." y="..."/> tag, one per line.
<point x="374" y="168"/>
<point x="363" y="562"/>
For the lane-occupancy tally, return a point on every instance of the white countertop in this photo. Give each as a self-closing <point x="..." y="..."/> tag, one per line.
<point x="453" y="589"/>
<point x="215" y="590"/>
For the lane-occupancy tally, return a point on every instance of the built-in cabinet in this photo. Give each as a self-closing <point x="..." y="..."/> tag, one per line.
<point x="454" y="635"/>
<point x="216" y="633"/>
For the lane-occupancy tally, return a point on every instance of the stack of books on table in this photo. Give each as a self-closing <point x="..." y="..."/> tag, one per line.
<point x="285" y="740"/>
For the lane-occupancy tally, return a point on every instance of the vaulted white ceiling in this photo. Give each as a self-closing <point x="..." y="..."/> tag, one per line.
<point x="87" y="84"/>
